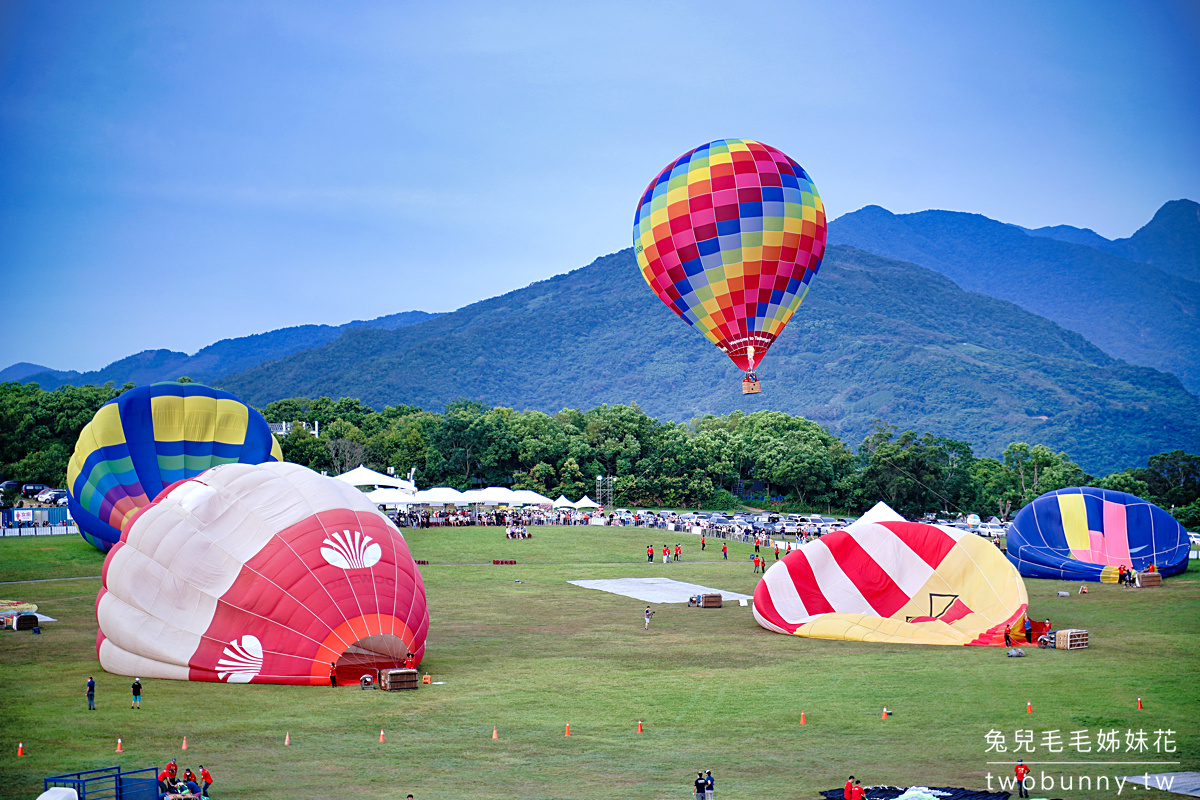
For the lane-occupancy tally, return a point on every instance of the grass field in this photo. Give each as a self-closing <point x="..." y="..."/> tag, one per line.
<point x="712" y="688"/>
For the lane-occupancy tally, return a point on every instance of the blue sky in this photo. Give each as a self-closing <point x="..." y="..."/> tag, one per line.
<point x="174" y="173"/>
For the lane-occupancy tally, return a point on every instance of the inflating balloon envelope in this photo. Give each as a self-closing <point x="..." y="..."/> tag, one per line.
<point x="260" y="574"/>
<point x="150" y="437"/>
<point x="728" y="236"/>
<point x="894" y="581"/>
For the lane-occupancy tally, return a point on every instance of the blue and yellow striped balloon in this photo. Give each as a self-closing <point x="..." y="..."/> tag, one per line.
<point x="151" y="437"/>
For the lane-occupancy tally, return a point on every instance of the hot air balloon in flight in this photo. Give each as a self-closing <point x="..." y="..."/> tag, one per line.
<point x="729" y="235"/>
<point x="260" y="573"/>
<point x="150" y="437"/>
<point x="1088" y="534"/>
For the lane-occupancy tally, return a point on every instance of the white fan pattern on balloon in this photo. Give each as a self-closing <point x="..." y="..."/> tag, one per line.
<point x="351" y="550"/>
<point x="242" y="662"/>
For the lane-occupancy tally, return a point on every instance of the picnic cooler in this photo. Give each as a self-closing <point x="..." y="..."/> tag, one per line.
<point x="394" y="680"/>
<point x="710" y="601"/>
<point x="1070" y="639"/>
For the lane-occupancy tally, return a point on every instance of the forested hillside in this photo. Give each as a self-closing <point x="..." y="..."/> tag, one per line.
<point x="876" y="339"/>
<point x="1135" y="311"/>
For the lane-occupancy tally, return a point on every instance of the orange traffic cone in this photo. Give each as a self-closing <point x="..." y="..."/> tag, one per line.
<point x="287" y="739"/>
<point x="568" y="733"/>
<point x="495" y="733"/>
<point x="381" y="736"/>
<point x="639" y="726"/>
<point x="184" y="743"/>
<point x="119" y="748"/>
<point x="884" y="716"/>
<point x="20" y="748"/>
<point x="802" y="722"/>
<point x="1139" y="704"/>
<point x="1029" y="708"/>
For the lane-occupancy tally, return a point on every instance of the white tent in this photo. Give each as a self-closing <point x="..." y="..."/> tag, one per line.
<point x="563" y="502"/>
<point x="497" y="495"/>
<point x="439" y="496"/>
<point x="361" y="476"/>
<point x="387" y="496"/>
<point x="528" y="497"/>
<point x="473" y="496"/>
<point x="880" y="512"/>
<point x="586" y="502"/>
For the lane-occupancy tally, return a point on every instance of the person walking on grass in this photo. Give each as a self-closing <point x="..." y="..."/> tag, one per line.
<point x="137" y="694"/>
<point x="702" y="543"/>
<point x="709" y="786"/>
<point x="666" y="554"/>
<point x="679" y="552"/>
<point x="650" y="553"/>
<point x="700" y="785"/>
<point x="777" y="551"/>
<point x="724" y="551"/>
<point x="649" y="614"/>
<point x="1022" y="770"/>
<point x="91" y="694"/>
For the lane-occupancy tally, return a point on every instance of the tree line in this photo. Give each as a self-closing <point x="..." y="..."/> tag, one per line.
<point x="698" y="464"/>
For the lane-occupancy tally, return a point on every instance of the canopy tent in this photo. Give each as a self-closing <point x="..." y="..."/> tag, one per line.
<point x="388" y="496"/>
<point x="586" y="502"/>
<point x="880" y="512"/>
<point x="527" y="497"/>
<point x="497" y="495"/>
<point x="439" y="496"/>
<point x="362" y="476"/>
<point x="562" y="502"/>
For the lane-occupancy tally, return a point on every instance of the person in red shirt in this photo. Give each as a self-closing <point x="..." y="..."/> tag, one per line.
<point x="777" y="551"/>
<point x="666" y="554"/>
<point x="410" y="661"/>
<point x="856" y="793"/>
<point x="650" y="553"/>
<point x="849" y="786"/>
<point x="164" y="782"/>
<point x="206" y="779"/>
<point x="724" y="551"/>
<point x="172" y="769"/>
<point x="333" y="674"/>
<point x="1021" y="771"/>
<point x="702" y="542"/>
<point x="678" y="552"/>
<point x="756" y="563"/>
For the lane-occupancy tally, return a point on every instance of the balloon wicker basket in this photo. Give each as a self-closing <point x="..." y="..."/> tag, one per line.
<point x="751" y="387"/>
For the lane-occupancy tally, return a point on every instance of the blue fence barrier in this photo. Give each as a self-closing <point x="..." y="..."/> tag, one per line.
<point x="109" y="783"/>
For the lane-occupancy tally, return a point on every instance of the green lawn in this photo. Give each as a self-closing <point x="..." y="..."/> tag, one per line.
<point x="712" y="688"/>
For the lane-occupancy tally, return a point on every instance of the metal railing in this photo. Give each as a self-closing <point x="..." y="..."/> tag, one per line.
<point x="109" y="783"/>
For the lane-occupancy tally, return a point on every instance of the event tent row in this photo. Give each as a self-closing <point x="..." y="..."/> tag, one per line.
<point x="392" y="491"/>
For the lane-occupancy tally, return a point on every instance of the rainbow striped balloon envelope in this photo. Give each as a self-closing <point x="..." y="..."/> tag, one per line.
<point x="1088" y="534"/>
<point x="151" y="437"/>
<point x="729" y="236"/>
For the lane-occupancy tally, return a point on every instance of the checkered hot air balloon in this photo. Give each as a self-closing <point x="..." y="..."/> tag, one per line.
<point x="728" y="236"/>
<point x="260" y="574"/>
<point x="150" y="437"/>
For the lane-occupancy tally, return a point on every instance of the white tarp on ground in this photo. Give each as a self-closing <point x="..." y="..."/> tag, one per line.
<point x="1177" y="782"/>
<point x="656" y="590"/>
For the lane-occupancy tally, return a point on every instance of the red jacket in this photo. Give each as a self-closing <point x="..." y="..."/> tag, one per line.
<point x="206" y="776"/>
<point x="846" y="791"/>
<point x="856" y="793"/>
<point x="1021" y="771"/>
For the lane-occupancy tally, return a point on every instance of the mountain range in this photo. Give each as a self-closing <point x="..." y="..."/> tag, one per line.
<point x="1136" y="311"/>
<point x="1001" y="334"/>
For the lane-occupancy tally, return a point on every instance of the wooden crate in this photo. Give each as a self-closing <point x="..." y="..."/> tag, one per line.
<point x="1071" y="639"/>
<point x="710" y="601"/>
<point x="395" y="680"/>
<point x="1150" y="580"/>
<point x="751" y="387"/>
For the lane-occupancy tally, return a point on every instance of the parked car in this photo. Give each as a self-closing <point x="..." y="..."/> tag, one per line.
<point x="63" y="501"/>
<point x="50" y="495"/>
<point x="1194" y="538"/>
<point x="31" y="490"/>
<point x="11" y="486"/>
